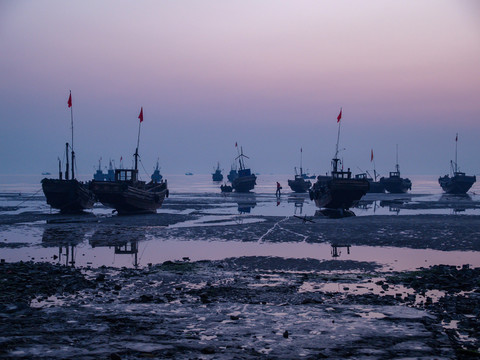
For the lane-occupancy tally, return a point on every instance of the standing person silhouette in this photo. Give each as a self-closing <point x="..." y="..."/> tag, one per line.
<point x="279" y="187"/>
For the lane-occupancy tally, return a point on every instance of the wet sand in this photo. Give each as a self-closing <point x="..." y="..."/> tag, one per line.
<point x="241" y="306"/>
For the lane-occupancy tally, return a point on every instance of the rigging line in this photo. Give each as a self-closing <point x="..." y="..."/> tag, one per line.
<point x="31" y="196"/>
<point x="143" y="167"/>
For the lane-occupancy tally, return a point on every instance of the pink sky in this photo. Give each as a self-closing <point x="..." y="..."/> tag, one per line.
<point x="213" y="72"/>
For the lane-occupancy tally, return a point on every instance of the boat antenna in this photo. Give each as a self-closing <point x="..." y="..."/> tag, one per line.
<point x="138" y="138"/>
<point x="70" y="105"/>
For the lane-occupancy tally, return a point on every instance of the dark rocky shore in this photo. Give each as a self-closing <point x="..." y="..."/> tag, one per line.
<point x="246" y="308"/>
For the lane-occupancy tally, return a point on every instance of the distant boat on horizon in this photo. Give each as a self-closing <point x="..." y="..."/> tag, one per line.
<point x="459" y="183"/>
<point x="188" y="173"/>
<point x="156" y="176"/>
<point x="68" y="195"/>
<point x="395" y="184"/>
<point x="217" y="175"/>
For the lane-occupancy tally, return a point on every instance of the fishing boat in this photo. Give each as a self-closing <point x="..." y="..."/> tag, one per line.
<point x="245" y="181"/>
<point x="339" y="190"/>
<point x="68" y="195"/>
<point x="299" y="184"/>
<point x="129" y="195"/>
<point x="395" y="184"/>
<point x="99" y="175"/>
<point x="458" y="183"/>
<point x="375" y="185"/>
<point x="217" y="175"/>
<point x="156" y="176"/>
<point x="233" y="174"/>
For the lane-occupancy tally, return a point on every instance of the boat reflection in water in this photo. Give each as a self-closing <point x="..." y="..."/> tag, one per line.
<point x="334" y="213"/>
<point x="66" y="239"/>
<point x="336" y="252"/>
<point x="246" y="203"/>
<point x="298" y="202"/>
<point x="123" y="241"/>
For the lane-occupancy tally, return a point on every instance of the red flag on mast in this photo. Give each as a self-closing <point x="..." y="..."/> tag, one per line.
<point x="339" y="116"/>
<point x="371" y="155"/>
<point x="141" y="114"/>
<point x="70" y="100"/>
<point x="236" y="144"/>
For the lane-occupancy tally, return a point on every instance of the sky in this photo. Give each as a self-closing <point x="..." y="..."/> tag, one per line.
<point x="269" y="75"/>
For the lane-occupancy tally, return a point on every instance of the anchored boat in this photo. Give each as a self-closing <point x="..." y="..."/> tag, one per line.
<point x="217" y="175"/>
<point x="299" y="184"/>
<point x="245" y="181"/>
<point x="129" y="195"/>
<point x="395" y="183"/>
<point x="340" y="190"/>
<point x="459" y="182"/>
<point x="68" y="195"/>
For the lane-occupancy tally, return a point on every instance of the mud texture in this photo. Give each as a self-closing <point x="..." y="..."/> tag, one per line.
<point x="245" y="308"/>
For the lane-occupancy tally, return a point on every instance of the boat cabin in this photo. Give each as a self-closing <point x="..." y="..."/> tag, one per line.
<point x="395" y="174"/>
<point x="244" y="172"/>
<point x="342" y="174"/>
<point x="126" y="175"/>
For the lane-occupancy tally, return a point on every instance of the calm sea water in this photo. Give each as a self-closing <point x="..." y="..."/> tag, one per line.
<point x="426" y="194"/>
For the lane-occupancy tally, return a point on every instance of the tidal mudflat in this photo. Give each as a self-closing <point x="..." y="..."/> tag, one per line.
<point x="241" y="277"/>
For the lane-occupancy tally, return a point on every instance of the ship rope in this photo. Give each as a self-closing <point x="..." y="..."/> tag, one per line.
<point x="29" y="198"/>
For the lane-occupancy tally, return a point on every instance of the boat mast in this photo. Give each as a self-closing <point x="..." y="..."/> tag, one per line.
<point x="240" y="159"/>
<point x="397" y="167"/>
<point x="67" y="170"/>
<point x="456" y="142"/>
<point x="301" y="169"/>
<point x="138" y="142"/>
<point x="70" y="105"/>
<point x="335" y="159"/>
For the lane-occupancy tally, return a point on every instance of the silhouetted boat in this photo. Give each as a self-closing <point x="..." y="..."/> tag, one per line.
<point x="340" y="190"/>
<point x="225" y="188"/>
<point x="68" y="195"/>
<point x="299" y="184"/>
<point x="395" y="183"/>
<point x="245" y="181"/>
<point x="156" y="176"/>
<point x="127" y="194"/>
<point x="99" y="174"/>
<point x="374" y="186"/>
<point x="188" y="173"/>
<point x="233" y="174"/>
<point x="217" y="175"/>
<point x="459" y="182"/>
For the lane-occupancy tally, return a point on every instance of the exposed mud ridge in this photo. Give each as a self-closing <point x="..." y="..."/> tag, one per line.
<point x="244" y="308"/>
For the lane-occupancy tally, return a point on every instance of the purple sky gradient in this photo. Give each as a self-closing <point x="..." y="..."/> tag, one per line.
<point x="271" y="75"/>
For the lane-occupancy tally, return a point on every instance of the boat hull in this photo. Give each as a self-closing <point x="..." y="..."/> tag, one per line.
<point x="333" y="193"/>
<point x="376" y="187"/>
<point x="244" y="183"/>
<point x="68" y="196"/>
<point x="458" y="184"/>
<point x="299" y="185"/>
<point x="396" y="185"/>
<point x="217" y="176"/>
<point x="130" y="198"/>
